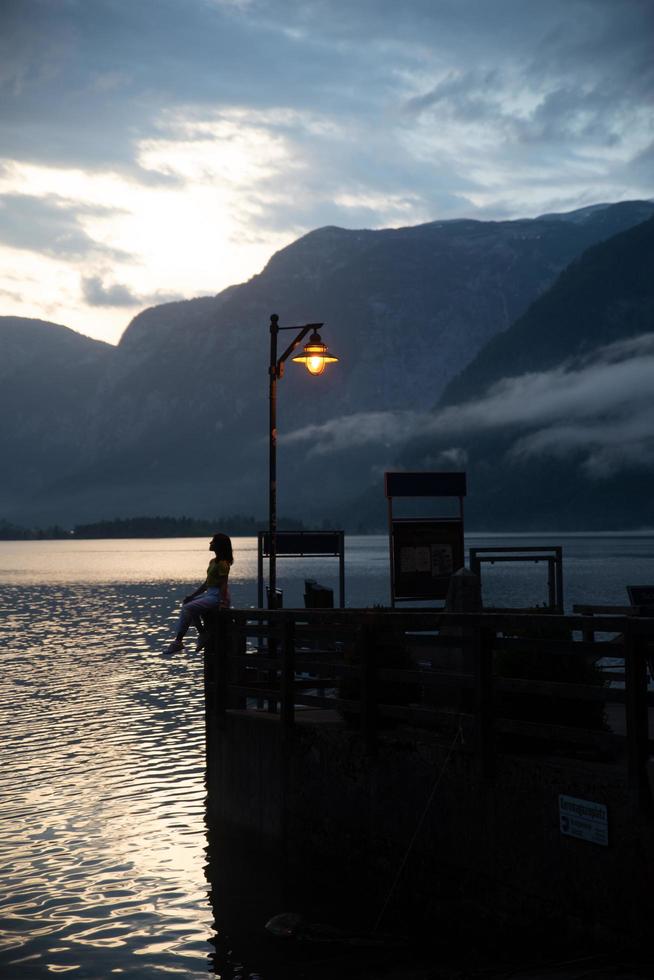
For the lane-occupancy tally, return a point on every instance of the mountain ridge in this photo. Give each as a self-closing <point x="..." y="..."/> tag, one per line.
<point x="528" y="341"/>
<point x="174" y="418"/>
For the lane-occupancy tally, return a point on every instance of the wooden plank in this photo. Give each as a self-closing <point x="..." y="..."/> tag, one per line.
<point x="258" y="631"/>
<point x="643" y="626"/>
<point x="408" y="711"/>
<point x="637" y="721"/>
<point x="321" y="655"/>
<point x="332" y="620"/>
<point x="427" y="678"/>
<point x="313" y="630"/>
<point x="256" y="661"/>
<point x="319" y="701"/>
<point x="287" y="708"/>
<point x="435" y="641"/>
<point x="587" y="610"/>
<point x="366" y="646"/>
<point x="516" y="623"/>
<point x="222" y="649"/>
<point x="483" y="673"/>
<point x="317" y="666"/>
<point x="309" y="682"/>
<point x="554" y="647"/>
<point x="560" y="733"/>
<point x="254" y="687"/>
<point x="255" y="691"/>
<point x="559" y="689"/>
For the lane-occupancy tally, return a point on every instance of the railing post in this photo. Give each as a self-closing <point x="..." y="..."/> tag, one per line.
<point x="588" y="634"/>
<point x="482" y="650"/>
<point x="287" y="706"/>
<point x="368" y="697"/>
<point x="220" y="647"/>
<point x="237" y="647"/>
<point x="272" y="653"/>
<point x="210" y="713"/>
<point x="637" y="718"/>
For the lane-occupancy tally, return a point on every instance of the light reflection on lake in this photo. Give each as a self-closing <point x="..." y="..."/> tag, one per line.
<point x="102" y="839"/>
<point x="102" y="788"/>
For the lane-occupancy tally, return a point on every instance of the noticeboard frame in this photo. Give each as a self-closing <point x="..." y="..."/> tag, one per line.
<point x="424" y="555"/>
<point x="421" y="549"/>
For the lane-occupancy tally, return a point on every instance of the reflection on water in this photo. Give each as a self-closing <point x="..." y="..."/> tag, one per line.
<point x="101" y="786"/>
<point x="102" y="837"/>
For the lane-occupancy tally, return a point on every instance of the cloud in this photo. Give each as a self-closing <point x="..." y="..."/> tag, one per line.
<point x="600" y="407"/>
<point x="11" y="295"/>
<point x="608" y="446"/>
<point x="53" y="226"/>
<point x="97" y="293"/>
<point x="389" y="429"/>
<point x="85" y="85"/>
<point x="270" y="118"/>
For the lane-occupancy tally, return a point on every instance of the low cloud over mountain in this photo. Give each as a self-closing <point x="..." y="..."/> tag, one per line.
<point x="601" y="408"/>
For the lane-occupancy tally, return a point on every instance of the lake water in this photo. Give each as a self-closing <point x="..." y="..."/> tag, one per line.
<point x="102" y="838"/>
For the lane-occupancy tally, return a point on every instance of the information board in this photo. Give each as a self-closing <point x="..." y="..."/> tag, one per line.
<point x="425" y="554"/>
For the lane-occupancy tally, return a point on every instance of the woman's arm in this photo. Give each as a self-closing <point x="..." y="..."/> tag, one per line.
<point x="223" y="590"/>
<point x="194" y="595"/>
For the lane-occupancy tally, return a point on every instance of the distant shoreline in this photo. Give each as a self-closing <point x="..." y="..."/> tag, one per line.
<point x="32" y="536"/>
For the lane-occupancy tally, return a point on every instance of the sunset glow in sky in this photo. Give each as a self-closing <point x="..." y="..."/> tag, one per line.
<point x="159" y="149"/>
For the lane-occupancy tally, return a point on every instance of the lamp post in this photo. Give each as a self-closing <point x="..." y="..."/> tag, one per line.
<point x="314" y="356"/>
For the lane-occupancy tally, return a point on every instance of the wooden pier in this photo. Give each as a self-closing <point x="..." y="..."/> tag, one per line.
<point x="315" y="716"/>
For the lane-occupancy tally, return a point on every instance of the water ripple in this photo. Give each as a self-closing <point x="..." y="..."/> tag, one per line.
<point x="102" y="792"/>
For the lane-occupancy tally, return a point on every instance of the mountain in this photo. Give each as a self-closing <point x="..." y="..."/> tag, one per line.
<point x="554" y="418"/>
<point x="603" y="296"/>
<point x="49" y="375"/>
<point x="174" y="419"/>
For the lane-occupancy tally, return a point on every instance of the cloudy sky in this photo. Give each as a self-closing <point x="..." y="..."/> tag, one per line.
<point x="152" y="149"/>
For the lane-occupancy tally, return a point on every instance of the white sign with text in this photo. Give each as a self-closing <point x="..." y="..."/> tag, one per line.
<point x="584" y="819"/>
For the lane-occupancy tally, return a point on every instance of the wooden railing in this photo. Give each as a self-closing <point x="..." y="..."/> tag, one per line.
<point x="490" y="679"/>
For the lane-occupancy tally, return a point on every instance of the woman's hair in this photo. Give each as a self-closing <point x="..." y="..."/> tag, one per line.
<point x="223" y="548"/>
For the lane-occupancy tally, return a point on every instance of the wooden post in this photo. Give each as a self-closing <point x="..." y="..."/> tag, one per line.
<point x="559" y="578"/>
<point x="209" y="670"/>
<point x="637" y="718"/>
<point x="482" y="650"/>
<point x="287" y="708"/>
<point x="234" y="641"/>
<point x="368" y="697"/>
<point x="272" y="650"/>
<point x="588" y="634"/>
<point x="221" y="651"/>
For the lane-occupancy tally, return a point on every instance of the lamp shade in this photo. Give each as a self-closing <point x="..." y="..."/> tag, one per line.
<point x="315" y="355"/>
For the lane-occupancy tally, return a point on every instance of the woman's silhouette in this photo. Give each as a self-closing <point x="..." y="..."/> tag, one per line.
<point x="212" y="594"/>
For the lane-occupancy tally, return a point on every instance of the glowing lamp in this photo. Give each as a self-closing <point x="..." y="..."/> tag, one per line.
<point x="315" y="355"/>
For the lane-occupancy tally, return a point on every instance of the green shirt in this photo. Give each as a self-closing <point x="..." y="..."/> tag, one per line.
<point x="217" y="571"/>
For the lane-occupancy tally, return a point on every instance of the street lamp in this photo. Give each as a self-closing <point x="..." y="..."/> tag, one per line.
<point x="315" y="355"/>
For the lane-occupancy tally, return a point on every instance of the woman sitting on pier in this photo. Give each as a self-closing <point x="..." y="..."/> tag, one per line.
<point x="212" y="594"/>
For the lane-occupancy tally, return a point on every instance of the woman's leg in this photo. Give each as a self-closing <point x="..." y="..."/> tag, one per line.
<point x="191" y="612"/>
